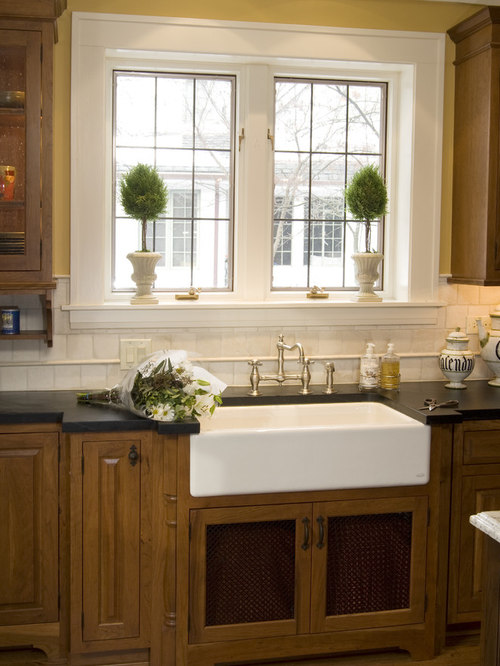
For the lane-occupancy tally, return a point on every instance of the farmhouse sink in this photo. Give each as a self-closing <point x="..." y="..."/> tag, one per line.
<point x="279" y="448"/>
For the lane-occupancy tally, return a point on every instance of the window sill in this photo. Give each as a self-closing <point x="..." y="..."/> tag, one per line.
<point x="198" y="314"/>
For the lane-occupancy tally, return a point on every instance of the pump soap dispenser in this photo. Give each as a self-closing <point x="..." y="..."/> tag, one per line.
<point x="389" y="369"/>
<point x="369" y="369"/>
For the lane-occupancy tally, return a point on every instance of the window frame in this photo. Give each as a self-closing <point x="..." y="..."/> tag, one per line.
<point x="413" y="64"/>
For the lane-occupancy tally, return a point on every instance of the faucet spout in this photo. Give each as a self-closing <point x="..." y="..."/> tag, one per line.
<point x="281" y="346"/>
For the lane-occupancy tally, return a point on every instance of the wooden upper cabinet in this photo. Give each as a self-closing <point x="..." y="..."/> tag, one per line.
<point x="475" y="255"/>
<point x="48" y="10"/>
<point x="26" y="62"/>
<point x="27" y="33"/>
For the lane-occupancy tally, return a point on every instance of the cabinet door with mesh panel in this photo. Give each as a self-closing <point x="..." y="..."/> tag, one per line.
<point x="250" y="572"/>
<point x="369" y="562"/>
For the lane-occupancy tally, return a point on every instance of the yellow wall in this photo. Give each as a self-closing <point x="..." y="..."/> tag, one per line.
<point x="413" y="15"/>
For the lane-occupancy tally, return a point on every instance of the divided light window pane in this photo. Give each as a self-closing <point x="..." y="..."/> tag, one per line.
<point x="324" y="132"/>
<point x="183" y="124"/>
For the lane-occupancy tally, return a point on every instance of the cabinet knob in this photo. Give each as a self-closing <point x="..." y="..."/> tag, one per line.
<point x="133" y="456"/>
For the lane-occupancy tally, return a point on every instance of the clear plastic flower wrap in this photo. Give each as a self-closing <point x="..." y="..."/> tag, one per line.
<point x="165" y="387"/>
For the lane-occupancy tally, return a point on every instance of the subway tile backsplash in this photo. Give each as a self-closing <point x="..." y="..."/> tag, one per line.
<point x="90" y="359"/>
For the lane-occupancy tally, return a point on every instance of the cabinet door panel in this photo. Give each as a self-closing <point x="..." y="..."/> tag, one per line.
<point x="369" y="563"/>
<point x="29" y="547"/>
<point x="479" y="493"/>
<point x="252" y="568"/>
<point x="112" y="493"/>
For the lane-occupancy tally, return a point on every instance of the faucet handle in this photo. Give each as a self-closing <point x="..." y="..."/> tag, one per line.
<point x="254" y="377"/>
<point x="305" y="376"/>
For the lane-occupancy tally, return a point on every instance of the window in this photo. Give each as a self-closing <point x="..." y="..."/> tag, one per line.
<point x="183" y="124"/>
<point x="271" y="237"/>
<point x="324" y="132"/>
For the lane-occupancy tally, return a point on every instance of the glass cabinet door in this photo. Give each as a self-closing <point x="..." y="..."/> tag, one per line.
<point x="20" y="150"/>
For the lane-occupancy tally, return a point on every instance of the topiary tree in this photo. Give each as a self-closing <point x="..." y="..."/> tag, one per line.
<point x="366" y="196"/>
<point x="144" y="196"/>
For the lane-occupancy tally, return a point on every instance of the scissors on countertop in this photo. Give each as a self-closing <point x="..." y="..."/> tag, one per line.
<point x="432" y="403"/>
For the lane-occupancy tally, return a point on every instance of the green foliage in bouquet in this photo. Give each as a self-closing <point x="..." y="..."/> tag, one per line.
<point x="169" y="393"/>
<point x="366" y="196"/>
<point x="144" y="196"/>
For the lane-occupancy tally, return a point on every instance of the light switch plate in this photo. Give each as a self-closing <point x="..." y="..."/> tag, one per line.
<point x="132" y="352"/>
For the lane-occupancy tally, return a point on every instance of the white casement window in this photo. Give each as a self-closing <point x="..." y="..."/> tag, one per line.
<point x="182" y="124"/>
<point x="324" y="131"/>
<point x="256" y="129"/>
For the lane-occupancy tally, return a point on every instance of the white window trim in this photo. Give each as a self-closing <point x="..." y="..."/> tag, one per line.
<point x="414" y="59"/>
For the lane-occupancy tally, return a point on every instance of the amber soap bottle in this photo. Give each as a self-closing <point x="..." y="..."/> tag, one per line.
<point x="389" y="369"/>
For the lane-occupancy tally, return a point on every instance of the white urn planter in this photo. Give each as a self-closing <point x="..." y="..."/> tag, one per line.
<point x="144" y="275"/>
<point x="366" y="274"/>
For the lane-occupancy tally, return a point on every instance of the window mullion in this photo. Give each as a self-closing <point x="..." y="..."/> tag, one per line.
<point x="254" y="211"/>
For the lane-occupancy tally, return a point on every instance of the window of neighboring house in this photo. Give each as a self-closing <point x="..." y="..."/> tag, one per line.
<point x="282" y="233"/>
<point x="325" y="130"/>
<point x="183" y="124"/>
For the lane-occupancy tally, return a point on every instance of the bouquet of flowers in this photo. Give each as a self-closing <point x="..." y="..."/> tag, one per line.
<point x="164" y="387"/>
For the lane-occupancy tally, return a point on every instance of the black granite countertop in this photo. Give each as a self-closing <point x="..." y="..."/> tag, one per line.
<point x="19" y="407"/>
<point x="477" y="401"/>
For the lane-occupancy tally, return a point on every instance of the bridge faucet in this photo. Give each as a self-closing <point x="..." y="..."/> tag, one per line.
<point x="281" y="376"/>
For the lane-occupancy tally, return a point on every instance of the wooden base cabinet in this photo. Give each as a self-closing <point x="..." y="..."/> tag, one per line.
<point x="295" y="575"/>
<point x="475" y="488"/>
<point x="110" y="542"/>
<point x="29" y="548"/>
<point x="150" y="575"/>
<point x="295" y="569"/>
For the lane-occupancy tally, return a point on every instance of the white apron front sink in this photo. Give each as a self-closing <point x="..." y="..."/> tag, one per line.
<point x="327" y="446"/>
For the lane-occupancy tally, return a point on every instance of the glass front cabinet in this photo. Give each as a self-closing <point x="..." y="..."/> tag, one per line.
<point x="27" y="37"/>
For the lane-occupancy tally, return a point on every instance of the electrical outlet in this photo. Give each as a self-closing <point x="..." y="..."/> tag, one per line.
<point x="133" y="352"/>
<point x="471" y="323"/>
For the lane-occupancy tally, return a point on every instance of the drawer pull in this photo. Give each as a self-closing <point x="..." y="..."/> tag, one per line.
<point x="305" y="522"/>
<point x="321" y="526"/>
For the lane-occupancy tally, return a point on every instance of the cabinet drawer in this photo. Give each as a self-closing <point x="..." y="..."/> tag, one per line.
<point x="481" y="446"/>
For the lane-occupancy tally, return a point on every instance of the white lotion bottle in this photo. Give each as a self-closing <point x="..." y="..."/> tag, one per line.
<point x="369" y="369"/>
